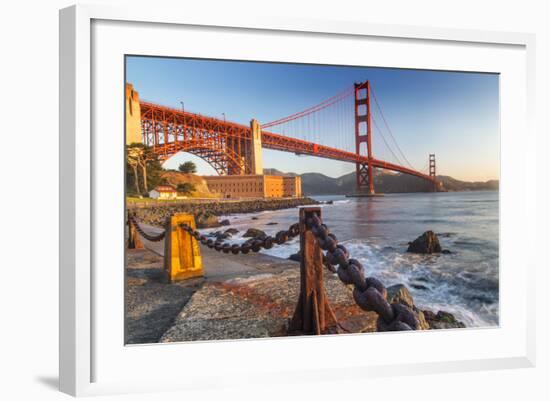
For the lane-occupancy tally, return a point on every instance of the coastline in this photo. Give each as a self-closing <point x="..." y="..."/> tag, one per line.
<point x="240" y="296"/>
<point x="384" y="255"/>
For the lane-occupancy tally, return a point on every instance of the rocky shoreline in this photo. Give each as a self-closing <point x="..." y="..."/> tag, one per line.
<point x="207" y="213"/>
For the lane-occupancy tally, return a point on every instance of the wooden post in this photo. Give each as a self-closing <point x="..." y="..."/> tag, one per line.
<point x="182" y="256"/>
<point x="313" y="314"/>
<point x="134" y="240"/>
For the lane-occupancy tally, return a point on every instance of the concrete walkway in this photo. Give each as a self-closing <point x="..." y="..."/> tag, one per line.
<point x="153" y="304"/>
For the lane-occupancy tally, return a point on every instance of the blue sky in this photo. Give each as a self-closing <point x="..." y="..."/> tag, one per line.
<point x="454" y="115"/>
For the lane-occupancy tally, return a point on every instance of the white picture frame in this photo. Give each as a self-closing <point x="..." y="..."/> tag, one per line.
<point x="92" y="363"/>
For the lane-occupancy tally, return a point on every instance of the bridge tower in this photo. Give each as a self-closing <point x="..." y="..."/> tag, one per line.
<point x="432" y="172"/>
<point x="256" y="162"/>
<point x="133" y="116"/>
<point x="363" y="132"/>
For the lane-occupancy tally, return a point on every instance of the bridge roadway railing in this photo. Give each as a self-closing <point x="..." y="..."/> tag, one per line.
<point x="319" y="249"/>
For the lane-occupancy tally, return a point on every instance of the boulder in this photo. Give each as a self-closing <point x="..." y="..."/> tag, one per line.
<point x="423" y="323"/>
<point x="225" y="222"/>
<point x="249" y="241"/>
<point x="231" y="231"/>
<point x="206" y="220"/>
<point x="220" y="235"/>
<point x="427" y="243"/>
<point x="442" y="320"/>
<point x="446" y="317"/>
<point x="399" y="293"/>
<point x="254" y="233"/>
<point x="429" y="315"/>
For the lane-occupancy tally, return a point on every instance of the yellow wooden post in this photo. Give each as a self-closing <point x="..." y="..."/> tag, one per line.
<point x="182" y="256"/>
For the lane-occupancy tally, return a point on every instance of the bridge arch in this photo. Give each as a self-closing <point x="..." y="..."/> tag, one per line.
<point x="223" y="160"/>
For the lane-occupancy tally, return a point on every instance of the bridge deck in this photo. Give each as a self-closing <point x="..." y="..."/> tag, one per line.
<point x="170" y="130"/>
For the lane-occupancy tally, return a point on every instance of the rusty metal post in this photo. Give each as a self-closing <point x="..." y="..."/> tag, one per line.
<point x="313" y="314"/>
<point x="134" y="240"/>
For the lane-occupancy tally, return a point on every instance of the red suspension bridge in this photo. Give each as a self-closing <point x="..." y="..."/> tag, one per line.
<point x="339" y="128"/>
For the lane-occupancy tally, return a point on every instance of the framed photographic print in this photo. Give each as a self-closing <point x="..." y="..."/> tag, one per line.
<point x="298" y="192"/>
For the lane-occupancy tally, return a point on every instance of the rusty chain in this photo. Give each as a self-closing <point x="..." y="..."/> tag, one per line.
<point x="149" y="237"/>
<point x="368" y="292"/>
<point x="251" y="245"/>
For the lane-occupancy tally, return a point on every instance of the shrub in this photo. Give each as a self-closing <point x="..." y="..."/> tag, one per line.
<point x="188" y="167"/>
<point x="186" y="188"/>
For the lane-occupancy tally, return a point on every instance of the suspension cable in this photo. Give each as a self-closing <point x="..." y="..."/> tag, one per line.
<point x="388" y="127"/>
<point x="320" y="106"/>
<point x="387" y="145"/>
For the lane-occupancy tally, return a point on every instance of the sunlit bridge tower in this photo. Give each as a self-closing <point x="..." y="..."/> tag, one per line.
<point x="363" y="135"/>
<point x="432" y="172"/>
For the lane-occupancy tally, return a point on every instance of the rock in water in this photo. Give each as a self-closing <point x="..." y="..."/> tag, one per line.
<point x="225" y="222"/>
<point x="399" y="293"/>
<point x="254" y="233"/>
<point x="231" y="231"/>
<point x="219" y="235"/>
<point x="427" y="243"/>
<point x="206" y="220"/>
<point x="442" y="320"/>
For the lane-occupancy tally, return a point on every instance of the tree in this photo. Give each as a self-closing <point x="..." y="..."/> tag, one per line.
<point x="154" y="174"/>
<point x="188" y="167"/>
<point x="186" y="188"/>
<point x="141" y="157"/>
<point x="147" y="158"/>
<point x="132" y="159"/>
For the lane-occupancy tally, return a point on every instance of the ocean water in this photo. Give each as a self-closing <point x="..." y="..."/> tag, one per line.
<point x="376" y="232"/>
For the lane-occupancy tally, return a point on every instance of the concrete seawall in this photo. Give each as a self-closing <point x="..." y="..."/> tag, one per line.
<point x="157" y="213"/>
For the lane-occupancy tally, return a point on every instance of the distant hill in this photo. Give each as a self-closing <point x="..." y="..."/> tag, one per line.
<point x="175" y="177"/>
<point x="384" y="181"/>
<point x="452" y="184"/>
<point x="274" y="171"/>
